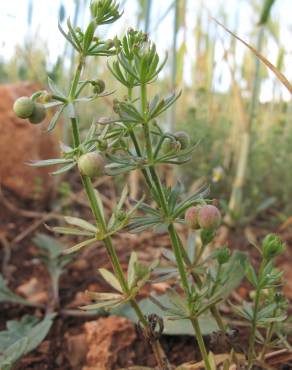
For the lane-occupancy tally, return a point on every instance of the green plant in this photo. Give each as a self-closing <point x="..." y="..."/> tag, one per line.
<point x="134" y="140"/>
<point x="51" y="254"/>
<point x="268" y="306"/>
<point x="22" y="337"/>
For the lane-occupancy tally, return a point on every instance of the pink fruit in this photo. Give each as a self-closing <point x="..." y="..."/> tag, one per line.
<point x="209" y="217"/>
<point x="191" y="218"/>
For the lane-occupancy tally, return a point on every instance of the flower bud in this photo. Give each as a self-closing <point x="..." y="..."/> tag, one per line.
<point x="209" y="217"/>
<point x="91" y="164"/>
<point x="23" y="107"/>
<point x="170" y="146"/>
<point x="99" y="87"/>
<point x="223" y="255"/>
<point x="102" y="145"/>
<point x="272" y="246"/>
<point x="191" y="218"/>
<point x="207" y="236"/>
<point x="183" y="138"/>
<point x="38" y="114"/>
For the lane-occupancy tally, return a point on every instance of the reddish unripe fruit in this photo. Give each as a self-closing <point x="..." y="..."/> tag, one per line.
<point x="183" y="138"/>
<point x="191" y="218"/>
<point x="91" y="164"/>
<point x="209" y="217"/>
<point x="23" y="107"/>
<point x="38" y="114"/>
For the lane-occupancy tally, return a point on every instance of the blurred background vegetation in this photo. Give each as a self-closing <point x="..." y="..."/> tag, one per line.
<point x="232" y="105"/>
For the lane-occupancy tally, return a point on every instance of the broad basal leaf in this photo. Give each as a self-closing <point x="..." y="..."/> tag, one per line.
<point x="21" y="337"/>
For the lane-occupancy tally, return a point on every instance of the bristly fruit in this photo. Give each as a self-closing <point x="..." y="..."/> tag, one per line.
<point x="23" y="107"/>
<point x="170" y="146"/>
<point x="183" y="138"/>
<point x="272" y="246"/>
<point x="98" y="86"/>
<point x="38" y="114"/>
<point x="191" y="218"/>
<point x="209" y="217"/>
<point x="91" y="164"/>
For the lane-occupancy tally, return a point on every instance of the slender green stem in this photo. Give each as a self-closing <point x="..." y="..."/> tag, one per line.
<point x="251" y="342"/>
<point x="217" y="316"/>
<point x="137" y="147"/>
<point x="201" y="343"/>
<point x="146" y="124"/>
<point x="75" y="132"/>
<point x="171" y="229"/>
<point x="252" y="337"/>
<point x="76" y="78"/>
<point x="88" y="186"/>
<point x="139" y="152"/>
<point x="179" y="259"/>
<point x="268" y="337"/>
<point x="155" y="177"/>
<point x="196" y="277"/>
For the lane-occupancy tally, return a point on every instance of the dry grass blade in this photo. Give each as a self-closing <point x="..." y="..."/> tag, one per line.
<point x="219" y="359"/>
<point x="274" y="69"/>
<point x="281" y="356"/>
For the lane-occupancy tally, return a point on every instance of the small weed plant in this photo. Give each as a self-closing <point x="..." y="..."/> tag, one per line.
<point x="133" y="139"/>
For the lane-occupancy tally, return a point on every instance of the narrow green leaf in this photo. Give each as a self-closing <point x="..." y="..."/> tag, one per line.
<point x="63" y="169"/>
<point x="78" y="246"/>
<point x="131" y="269"/>
<point x="111" y="279"/>
<point x="88" y="36"/>
<point x="79" y="222"/>
<point x="49" y="162"/>
<point x="105" y="305"/>
<point x="103" y="296"/>
<point x="55" y="118"/>
<point x="70" y="231"/>
<point x="99" y="202"/>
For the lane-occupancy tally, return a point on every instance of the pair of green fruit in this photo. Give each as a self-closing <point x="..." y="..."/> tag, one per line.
<point x="24" y="107"/>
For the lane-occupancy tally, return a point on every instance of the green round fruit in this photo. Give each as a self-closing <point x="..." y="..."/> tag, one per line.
<point x="191" y="218"/>
<point x="38" y="114"/>
<point x="170" y="146"/>
<point x="209" y="217"/>
<point x="183" y="138"/>
<point x="99" y="86"/>
<point x="91" y="164"/>
<point x="23" y="107"/>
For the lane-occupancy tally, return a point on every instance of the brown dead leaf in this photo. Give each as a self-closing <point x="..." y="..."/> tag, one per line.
<point x="33" y="290"/>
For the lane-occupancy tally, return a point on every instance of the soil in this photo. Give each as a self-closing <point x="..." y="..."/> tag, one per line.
<point x="68" y="333"/>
